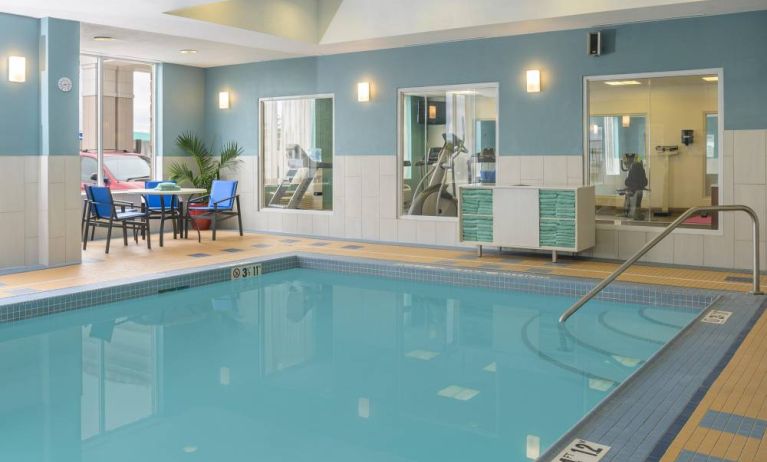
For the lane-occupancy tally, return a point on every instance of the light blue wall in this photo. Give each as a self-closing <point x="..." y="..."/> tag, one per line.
<point x="60" y="43"/>
<point x="549" y="122"/>
<point x="246" y="84"/>
<point x="181" y="95"/>
<point x="19" y="102"/>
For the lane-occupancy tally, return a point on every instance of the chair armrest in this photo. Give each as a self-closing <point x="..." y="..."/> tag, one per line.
<point x="226" y="199"/>
<point x="198" y="199"/>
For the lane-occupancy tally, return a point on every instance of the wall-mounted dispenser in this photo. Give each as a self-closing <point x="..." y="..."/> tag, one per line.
<point x="687" y="137"/>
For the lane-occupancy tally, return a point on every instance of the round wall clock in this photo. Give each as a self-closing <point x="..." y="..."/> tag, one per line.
<point x="65" y="84"/>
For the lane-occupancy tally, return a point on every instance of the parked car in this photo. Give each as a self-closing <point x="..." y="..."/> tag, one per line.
<point x="122" y="170"/>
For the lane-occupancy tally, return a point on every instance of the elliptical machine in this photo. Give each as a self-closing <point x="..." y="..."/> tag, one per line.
<point x="431" y="193"/>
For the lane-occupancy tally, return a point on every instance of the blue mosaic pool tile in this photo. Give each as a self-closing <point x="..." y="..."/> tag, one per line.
<point x="199" y="255"/>
<point x="733" y="423"/>
<point x="42" y="304"/>
<point x="643" y="416"/>
<point x="320" y="244"/>
<point x="490" y="266"/>
<point x="693" y="299"/>
<point x="352" y="247"/>
<point x="690" y="456"/>
<point x="232" y="250"/>
<point x="261" y="246"/>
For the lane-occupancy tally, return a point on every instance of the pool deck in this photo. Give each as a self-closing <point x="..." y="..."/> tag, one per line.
<point x="729" y="423"/>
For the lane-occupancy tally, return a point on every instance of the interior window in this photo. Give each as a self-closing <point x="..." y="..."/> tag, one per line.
<point x="448" y="138"/>
<point x="297" y="153"/>
<point x="646" y="138"/>
<point x="125" y="91"/>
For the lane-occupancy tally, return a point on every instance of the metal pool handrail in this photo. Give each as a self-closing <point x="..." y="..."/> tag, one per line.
<point x="675" y="224"/>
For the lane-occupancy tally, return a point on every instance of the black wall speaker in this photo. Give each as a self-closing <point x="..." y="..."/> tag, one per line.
<point x="594" y="43"/>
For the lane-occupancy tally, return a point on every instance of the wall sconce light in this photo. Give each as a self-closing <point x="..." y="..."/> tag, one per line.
<point x="432" y="112"/>
<point x="17" y="69"/>
<point x="533" y="81"/>
<point x="223" y="100"/>
<point x="626" y="121"/>
<point x="363" y="92"/>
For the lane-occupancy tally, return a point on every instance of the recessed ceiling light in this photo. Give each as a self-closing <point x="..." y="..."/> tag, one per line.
<point x="711" y="78"/>
<point x="188" y="51"/>
<point x="619" y="83"/>
<point x="103" y="38"/>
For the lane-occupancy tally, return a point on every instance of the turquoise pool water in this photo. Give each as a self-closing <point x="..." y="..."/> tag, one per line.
<point x="306" y="365"/>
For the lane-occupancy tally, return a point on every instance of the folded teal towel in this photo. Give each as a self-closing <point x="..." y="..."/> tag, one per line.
<point x="167" y="186"/>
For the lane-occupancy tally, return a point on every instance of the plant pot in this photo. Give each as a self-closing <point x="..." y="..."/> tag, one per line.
<point x="202" y="224"/>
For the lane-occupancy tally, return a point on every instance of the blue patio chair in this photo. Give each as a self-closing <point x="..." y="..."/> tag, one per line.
<point x="102" y="212"/>
<point x="223" y="203"/>
<point x="162" y="208"/>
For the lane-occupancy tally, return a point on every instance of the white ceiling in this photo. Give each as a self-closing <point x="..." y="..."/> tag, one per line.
<point x="145" y="29"/>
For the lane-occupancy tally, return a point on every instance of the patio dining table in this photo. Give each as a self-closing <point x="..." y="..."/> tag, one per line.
<point x="187" y="192"/>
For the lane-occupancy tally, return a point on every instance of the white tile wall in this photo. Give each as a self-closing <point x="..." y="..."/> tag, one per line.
<point x="365" y="205"/>
<point x="18" y="211"/>
<point x="40" y="210"/>
<point x="60" y="206"/>
<point x="40" y="207"/>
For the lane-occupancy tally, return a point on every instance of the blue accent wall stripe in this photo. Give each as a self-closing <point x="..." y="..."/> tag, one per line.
<point x="60" y="40"/>
<point x="181" y="96"/>
<point x="19" y="102"/>
<point x="549" y="122"/>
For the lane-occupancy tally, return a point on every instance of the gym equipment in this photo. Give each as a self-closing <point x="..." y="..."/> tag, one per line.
<point x="302" y="170"/>
<point x="636" y="183"/>
<point x="431" y="194"/>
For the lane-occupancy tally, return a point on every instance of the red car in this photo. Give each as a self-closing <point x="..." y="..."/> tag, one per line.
<point x="122" y="170"/>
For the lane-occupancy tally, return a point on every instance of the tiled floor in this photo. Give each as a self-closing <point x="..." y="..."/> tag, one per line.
<point x="135" y="260"/>
<point x="730" y="423"/>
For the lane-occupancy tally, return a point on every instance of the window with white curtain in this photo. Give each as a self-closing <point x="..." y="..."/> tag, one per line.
<point x="297" y="153"/>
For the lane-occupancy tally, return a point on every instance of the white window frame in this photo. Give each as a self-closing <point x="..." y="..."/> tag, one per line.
<point x="401" y="92"/>
<point x="719" y="72"/>
<point x="261" y="158"/>
<point x="155" y="166"/>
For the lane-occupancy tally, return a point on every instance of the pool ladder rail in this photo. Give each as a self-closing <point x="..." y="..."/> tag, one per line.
<point x="669" y="229"/>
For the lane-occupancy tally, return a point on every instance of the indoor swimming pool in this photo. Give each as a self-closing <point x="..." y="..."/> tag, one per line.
<point x="310" y="365"/>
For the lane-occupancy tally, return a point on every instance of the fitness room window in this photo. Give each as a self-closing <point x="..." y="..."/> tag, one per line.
<point x="297" y="153"/>
<point x="125" y="149"/>
<point x="448" y="137"/>
<point x="653" y="147"/>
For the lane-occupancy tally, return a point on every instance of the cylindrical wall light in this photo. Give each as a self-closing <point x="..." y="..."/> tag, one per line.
<point x="626" y="121"/>
<point x="363" y="92"/>
<point x="533" y="80"/>
<point x="17" y="69"/>
<point x="223" y="100"/>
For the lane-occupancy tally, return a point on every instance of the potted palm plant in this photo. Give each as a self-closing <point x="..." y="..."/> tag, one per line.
<point x="205" y="167"/>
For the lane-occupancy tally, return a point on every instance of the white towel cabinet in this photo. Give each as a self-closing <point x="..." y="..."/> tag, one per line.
<point x="554" y="218"/>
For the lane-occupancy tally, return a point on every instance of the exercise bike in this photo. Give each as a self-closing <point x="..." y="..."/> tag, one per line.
<point x="431" y="194"/>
